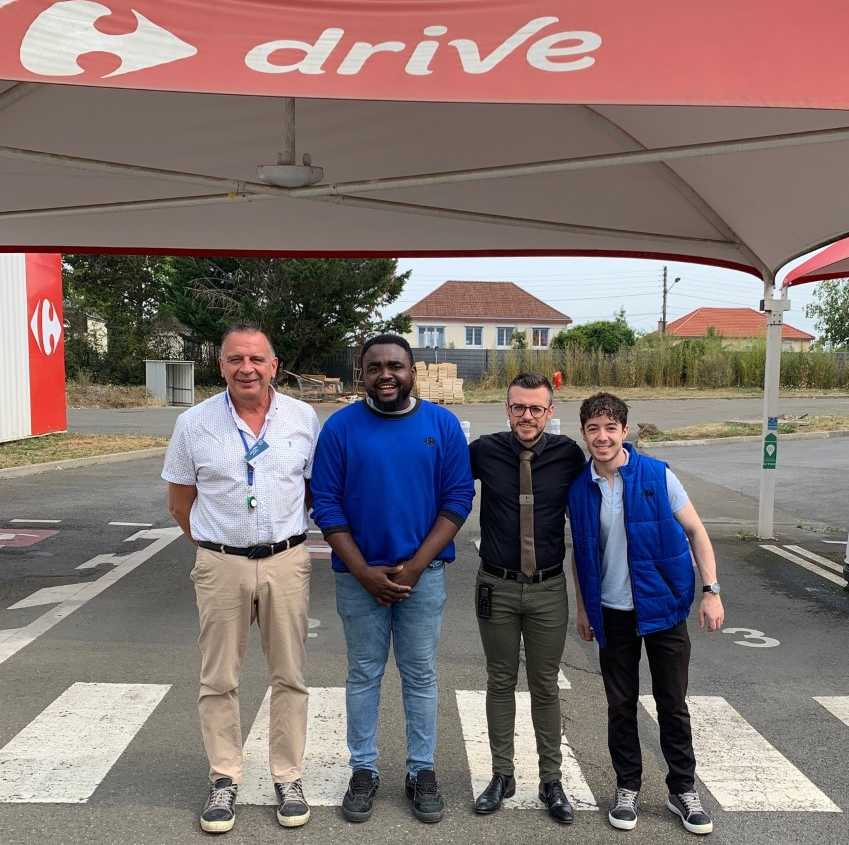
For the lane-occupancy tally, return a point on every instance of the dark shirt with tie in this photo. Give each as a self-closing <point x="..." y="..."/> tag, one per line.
<point x="495" y="461"/>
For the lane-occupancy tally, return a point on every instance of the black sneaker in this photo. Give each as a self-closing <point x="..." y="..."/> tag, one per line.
<point x="688" y="807"/>
<point x="219" y="812"/>
<point x="359" y="799"/>
<point x="423" y="791"/>
<point x="292" y="807"/>
<point x="623" y="809"/>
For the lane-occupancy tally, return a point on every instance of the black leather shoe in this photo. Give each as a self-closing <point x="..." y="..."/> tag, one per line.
<point x="552" y="795"/>
<point x="500" y="787"/>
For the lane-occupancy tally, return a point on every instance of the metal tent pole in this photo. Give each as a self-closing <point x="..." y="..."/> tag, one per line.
<point x="775" y="309"/>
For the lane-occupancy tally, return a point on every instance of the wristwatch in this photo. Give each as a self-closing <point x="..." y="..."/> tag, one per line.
<point x="711" y="588"/>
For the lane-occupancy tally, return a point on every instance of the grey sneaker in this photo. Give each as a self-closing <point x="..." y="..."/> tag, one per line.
<point x="623" y="809"/>
<point x="219" y="812"/>
<point x="688" y="807"/>
<point x="292" y="807"/>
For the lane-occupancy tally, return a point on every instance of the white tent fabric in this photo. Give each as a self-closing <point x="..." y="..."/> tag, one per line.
<point x="736" y="207"/>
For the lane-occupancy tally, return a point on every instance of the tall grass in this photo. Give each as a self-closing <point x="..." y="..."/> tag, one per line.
<point x="661" y="362"/>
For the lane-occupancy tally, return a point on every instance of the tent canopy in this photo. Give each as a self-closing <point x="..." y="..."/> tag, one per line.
<point x="829" y="263"/>
<point x="533" y="128"/>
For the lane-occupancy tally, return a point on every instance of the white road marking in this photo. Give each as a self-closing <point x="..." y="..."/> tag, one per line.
<point x="822" y="561"/>
<point x="740" y="768"/>
<point x="804" y="564"/>
<point x="837" y="705"/>
<point x="109" y="557"/>
<point x="38" y="521"/>
<point x="471" y="705"/>
<point x="133" y="524"/>
<point x="563" y="681"/>
<point x="836" y="542"/>
<point x="326" y="771"/>
<point x="752" y="638"/>
<point x="478" y="544"/>
<point x="65" y="752"/>
<point x="19" y="638"/>
<point x="48" y="595"/>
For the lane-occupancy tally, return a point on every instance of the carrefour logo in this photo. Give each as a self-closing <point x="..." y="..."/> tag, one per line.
<point x="46" y="327"/>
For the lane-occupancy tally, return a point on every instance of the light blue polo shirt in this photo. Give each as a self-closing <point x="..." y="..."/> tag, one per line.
<point x="615" y="578"/>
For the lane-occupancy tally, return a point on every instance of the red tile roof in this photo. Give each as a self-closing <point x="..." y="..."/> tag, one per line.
<point x="484" y="301"/>
<point x="729" y="322"/>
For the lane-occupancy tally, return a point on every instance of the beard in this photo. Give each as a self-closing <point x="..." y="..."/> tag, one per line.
<point x="396" y="404"/>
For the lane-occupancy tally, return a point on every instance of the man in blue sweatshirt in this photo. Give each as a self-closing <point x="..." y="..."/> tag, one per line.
<point x="391" y="486"/>
<point x="633" y="529"/>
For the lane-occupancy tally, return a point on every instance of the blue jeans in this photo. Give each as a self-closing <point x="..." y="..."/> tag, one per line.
<point x="413" y="626"/>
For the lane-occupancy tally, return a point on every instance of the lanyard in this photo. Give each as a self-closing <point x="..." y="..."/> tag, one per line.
<point x="250" y="452"/>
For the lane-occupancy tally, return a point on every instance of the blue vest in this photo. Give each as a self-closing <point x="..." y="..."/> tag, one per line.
<point x="662" y="577"/>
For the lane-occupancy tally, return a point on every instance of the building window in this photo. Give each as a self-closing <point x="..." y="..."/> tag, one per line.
<point x="504" y="335"/>
<point x="540" y="338"/>
<point x="431" y="336"/>
<point x="474" y="335"/>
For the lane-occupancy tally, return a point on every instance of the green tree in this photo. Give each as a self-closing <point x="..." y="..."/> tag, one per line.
<point x="830" y="311"/>
<point x="307" y="306"/>
<point x="606" y="335"/>
<point x="519" y="340"/>
<point x="127" y="292"/>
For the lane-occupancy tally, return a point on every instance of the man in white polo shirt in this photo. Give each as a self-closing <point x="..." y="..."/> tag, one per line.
<point x="238" y="468"/>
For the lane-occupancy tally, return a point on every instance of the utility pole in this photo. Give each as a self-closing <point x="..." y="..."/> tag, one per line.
<point x="666" y="289"/>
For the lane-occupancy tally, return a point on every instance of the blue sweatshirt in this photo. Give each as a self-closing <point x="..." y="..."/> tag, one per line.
<point x="386" y="479"/>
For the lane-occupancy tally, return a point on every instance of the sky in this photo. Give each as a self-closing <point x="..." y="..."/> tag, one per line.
<point x="588" y="289"/>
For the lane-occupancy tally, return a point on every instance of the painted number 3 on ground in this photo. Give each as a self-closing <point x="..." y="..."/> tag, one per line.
<point x="752" y="638"/>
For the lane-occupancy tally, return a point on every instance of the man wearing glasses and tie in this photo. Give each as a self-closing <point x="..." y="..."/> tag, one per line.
<point x="521" y="589"/>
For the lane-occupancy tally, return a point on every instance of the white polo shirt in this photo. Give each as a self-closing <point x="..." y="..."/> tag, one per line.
<point x="206" y="450"/>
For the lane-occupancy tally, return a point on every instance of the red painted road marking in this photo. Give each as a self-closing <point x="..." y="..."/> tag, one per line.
<point x="12" y="538"/>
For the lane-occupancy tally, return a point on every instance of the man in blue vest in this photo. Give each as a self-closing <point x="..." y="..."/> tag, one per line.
<point x="633" y="530"/>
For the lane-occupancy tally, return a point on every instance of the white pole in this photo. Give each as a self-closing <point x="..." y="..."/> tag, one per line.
<point x="775" y="309"/>
<point x="467" y="429"/>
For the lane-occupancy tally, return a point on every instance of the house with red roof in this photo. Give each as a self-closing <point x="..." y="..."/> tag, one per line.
<point x="739" y="327"/>
<point x="482" y="315"/>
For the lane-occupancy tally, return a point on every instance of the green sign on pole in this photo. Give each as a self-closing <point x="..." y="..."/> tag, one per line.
<point x="770" y="450"/>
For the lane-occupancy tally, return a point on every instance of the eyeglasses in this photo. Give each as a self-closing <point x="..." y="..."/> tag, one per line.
<point x="536" y="410"/>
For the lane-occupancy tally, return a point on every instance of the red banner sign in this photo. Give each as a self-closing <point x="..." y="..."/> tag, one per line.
<point x="757" y="52"/>
<point x="46" y="343"/>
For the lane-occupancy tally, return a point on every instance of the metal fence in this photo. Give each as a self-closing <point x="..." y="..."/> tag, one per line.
<point x="472" y="364"/>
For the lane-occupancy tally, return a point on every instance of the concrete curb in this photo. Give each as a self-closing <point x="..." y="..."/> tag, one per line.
<point x="744" y="438"/>
<point x="71" y="463"/>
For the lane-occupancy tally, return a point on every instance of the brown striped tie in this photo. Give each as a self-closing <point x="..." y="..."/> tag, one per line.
<point x="526" y="513"/>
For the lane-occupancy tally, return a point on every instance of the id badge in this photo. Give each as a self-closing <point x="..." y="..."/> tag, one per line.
<point x="255" y="451"/>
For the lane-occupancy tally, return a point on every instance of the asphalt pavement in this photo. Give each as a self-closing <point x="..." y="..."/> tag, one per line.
<point x="486" y="417"/>
<point x="98" y="675"/>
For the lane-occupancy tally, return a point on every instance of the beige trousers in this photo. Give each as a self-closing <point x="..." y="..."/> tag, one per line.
<point x="233" y="592"/>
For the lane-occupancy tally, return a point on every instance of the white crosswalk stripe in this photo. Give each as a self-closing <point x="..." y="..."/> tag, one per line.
<point x="65" y="752"/>
<point x="471" y="705"/>
<point x="326" y="769"/>
<point x="837" y="705"/>
<point x="822" y="561"/>
<point x="739" y="767"/>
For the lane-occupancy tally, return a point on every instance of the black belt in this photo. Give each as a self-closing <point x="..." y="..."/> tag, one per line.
<point x="515" y="575"/>
<point x="255" y="552"/>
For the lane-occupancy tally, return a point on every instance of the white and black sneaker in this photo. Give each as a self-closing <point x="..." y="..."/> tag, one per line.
<point x="688" y="807"/>
<point x="292" y="807"/>
<point x="219" y="812"/>
<point x="623" y="809"/>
